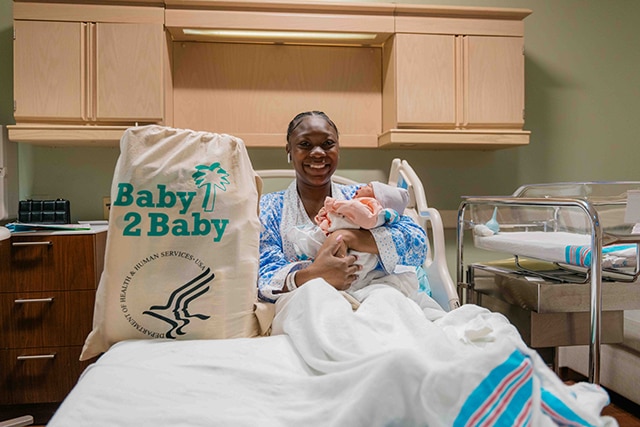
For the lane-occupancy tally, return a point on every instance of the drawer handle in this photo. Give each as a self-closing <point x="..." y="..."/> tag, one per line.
<point x="45" y="243"/>
<point x="38" y="356"/>
<point x="28" y="300"/>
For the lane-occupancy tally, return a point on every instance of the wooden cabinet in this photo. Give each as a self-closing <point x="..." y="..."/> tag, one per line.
<point x="79" y="65"/>
<point x="48" y="70"/>
<point x="492" y="81"/>
<point x="456" y="82"/>
<point x="46" y="309"/>
<point x="88" y="72"/>
<point x="458" y="78"/>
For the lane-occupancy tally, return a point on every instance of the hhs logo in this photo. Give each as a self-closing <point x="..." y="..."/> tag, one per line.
<point x="176" y="311"/>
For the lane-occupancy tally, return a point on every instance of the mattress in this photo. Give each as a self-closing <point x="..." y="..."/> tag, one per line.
<point x="561" y="247"/>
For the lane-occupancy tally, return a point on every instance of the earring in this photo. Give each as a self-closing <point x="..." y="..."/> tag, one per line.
<point x="288" y="157"/>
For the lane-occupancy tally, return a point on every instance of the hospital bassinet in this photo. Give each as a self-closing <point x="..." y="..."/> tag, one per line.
<point x="564" y="233"/>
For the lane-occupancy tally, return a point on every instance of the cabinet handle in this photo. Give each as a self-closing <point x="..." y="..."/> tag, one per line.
<point x="45" y="243"/>
<point x="24" y="301"/>
<point x="37" y="356"/>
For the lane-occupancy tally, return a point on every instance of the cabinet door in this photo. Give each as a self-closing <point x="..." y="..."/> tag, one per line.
<point x="48" y="70"/>
<point x="426" y="80"/>
<point x="494" y="82"/>
<point x="129" y="72"/>
<point x="87" y="72"/>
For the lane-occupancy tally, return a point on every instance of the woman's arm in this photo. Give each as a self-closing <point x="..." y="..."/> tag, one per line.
<point x="331" y="262"/>
<point x="274" y="266"/>
<point x="403" y="242"/>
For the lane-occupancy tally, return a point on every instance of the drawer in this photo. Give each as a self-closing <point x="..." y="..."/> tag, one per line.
<point x="39" y="375"/>
<point x="43" y="319"/>
<point x="5" y="262"/>
<point x="50" y="262"/>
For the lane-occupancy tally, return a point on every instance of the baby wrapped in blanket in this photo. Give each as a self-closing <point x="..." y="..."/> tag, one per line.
<point x="373" y="205"/>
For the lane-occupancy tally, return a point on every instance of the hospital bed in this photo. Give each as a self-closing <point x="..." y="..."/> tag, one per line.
<point x="393" y="361"/>
<point x="583" y="233"/>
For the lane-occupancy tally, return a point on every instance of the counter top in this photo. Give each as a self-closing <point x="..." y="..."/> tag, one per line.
<point x="61" y="230"/>
<point x="4" y="233"/>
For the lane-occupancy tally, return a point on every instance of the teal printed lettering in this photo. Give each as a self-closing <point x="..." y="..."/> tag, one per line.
<point x="180" y="227"/>
<point x="163" y="223"/>
<point x="124" y="197"/>
<point x="158" y="226"/>
<point x="201" y="227"/>
<point x="220" y="225"/>
<point x="134" y="218"/>
<point x="186" y="197"/>
<point x="145" y="198"/>
<point x="166" y="199"/>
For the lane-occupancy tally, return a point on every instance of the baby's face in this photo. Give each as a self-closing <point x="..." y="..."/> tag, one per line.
<point x="365" y="191"/>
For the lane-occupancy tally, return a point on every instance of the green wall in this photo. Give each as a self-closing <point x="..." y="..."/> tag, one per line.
<point x="582" y="99"/>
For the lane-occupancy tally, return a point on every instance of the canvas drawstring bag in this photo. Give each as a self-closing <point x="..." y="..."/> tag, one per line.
<point x="182" y="249"/>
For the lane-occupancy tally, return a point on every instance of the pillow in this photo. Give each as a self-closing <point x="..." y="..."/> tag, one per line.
<point x="182" y="249"/>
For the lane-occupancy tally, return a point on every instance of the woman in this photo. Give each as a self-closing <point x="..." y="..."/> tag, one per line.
<point x="313" y="148"/>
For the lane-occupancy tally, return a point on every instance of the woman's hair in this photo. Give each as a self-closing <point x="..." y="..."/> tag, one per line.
<point x="297" y="119"/>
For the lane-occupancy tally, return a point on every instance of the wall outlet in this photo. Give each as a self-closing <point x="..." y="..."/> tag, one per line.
<point x="106" y="206"/>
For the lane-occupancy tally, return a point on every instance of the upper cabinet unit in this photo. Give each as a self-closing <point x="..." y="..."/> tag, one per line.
<point x="86" y="71"/>
<point x="391" y="75"/>
<point x="454" y="78"/>
<point x="456" y="82"/>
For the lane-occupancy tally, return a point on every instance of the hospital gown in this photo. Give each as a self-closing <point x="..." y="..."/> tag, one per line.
<point x="401" y="243"/>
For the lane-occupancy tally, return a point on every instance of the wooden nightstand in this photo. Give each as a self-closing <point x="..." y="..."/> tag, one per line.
<point x="47" y="293"/>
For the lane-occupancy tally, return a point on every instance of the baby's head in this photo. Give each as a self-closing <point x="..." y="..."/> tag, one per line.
<point x="390" y="197"/>
<point x="365" y="191"/>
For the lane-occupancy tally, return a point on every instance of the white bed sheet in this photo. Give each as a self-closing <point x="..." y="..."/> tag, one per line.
<point x="382" y="365"/>
<point x="562" y="247"/>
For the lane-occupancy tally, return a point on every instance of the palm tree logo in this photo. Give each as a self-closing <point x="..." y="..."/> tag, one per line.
<point x="213" y="178"/>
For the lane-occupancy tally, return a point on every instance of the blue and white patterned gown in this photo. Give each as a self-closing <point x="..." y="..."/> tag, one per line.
<point x="401" y="243"/>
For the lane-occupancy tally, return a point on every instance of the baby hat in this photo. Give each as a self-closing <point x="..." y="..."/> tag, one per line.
<point x="390" y="197"/>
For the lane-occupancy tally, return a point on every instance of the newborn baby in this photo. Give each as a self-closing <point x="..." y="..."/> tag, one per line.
<point x="373" y="205"/>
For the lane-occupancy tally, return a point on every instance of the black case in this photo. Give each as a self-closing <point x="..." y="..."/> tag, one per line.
<point x="44" y="211"/>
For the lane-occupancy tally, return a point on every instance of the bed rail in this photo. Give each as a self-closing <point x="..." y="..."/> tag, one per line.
<point x="443" y="289"/>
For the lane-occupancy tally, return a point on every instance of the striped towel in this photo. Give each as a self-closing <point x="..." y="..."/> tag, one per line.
<point x="614" y="256"/>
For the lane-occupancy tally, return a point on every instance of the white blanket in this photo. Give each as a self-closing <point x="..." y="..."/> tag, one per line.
<point x="383" y="365"/>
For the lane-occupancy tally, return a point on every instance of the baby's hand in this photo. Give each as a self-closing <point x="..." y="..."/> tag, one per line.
<point x="342" y="247"/>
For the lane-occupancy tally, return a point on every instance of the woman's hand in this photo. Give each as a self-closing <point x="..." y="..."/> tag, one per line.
<point x="333" y="264"/>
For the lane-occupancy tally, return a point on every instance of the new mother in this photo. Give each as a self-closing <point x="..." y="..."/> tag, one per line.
<point x="313" y="148"/>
